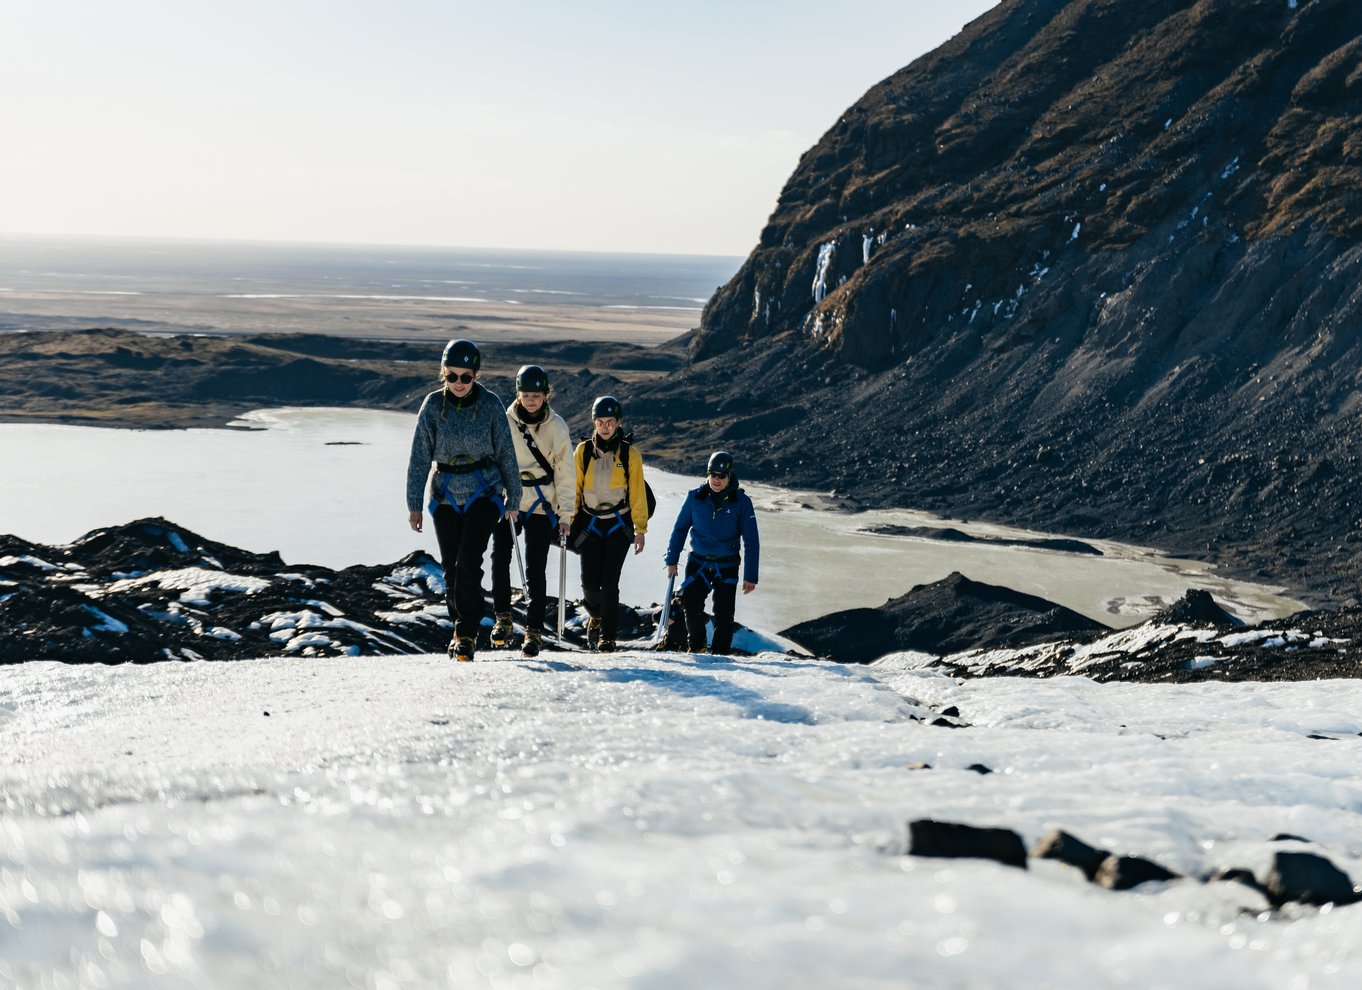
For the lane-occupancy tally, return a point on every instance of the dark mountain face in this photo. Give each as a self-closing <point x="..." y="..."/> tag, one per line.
<point x="1092" y="266"/>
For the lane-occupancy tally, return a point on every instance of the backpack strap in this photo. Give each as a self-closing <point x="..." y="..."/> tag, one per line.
<point x="534" y="449"/>
<point x="623" y="458"/>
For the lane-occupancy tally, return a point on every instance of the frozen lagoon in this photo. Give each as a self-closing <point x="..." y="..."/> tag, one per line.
<point x="325" y="486"/>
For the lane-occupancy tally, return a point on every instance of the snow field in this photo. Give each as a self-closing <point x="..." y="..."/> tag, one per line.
<point x="651" y="820"/>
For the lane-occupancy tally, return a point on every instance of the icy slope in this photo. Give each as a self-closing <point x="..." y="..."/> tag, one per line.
<point x="653" y="820"/>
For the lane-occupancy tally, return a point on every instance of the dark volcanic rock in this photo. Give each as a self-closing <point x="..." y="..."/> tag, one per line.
<point x="1066" y="848"/>
<point x="1197" y="608"/>
<point x="927" y="837"/>
<point x="1126" y="872"/>
<point x="151" y="590"/>
<point x="949" y="615"/>
<point x="1308" y="879"/>
<point x="1238" y="875"/>
<point x="1204" y="646"/>
<point x="1089" y="267"/>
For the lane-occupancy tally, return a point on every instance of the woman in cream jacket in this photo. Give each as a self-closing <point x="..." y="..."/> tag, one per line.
<point x="543" y="448"/>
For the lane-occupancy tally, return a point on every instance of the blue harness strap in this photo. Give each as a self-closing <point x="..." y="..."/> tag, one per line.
<point x="591" y="528"/>
<point x="716" y="569"/>
<point x="594" y="531"/>
<point x="541" y="500"/>
<point x="485" y="490"/>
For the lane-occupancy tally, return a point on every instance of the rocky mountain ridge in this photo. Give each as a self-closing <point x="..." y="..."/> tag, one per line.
<point x="1090" y="267"/>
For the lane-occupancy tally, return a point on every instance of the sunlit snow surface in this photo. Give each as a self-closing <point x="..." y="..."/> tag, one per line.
<point x="652" y="820"/>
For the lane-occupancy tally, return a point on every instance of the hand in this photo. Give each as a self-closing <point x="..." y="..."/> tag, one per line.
<point x="638" y="543"/>
<point x="564" y="531"/>
<point x="414" y="521"/>
<point x="671" y="570"/>
<point x="748" y="587"/>
<point x="513" y="515"/>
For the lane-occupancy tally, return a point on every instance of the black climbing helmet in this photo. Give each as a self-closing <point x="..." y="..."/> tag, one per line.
<point x="607" y="407"/>
<point x="461" y="354"/>
<point x="532" y="378"/>
<point x="720" y="462"/>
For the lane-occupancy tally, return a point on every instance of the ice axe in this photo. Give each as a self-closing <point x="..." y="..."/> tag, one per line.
<point x="562" y="585"/>
<point x="660" y="637"/>
<point x="519" y="562"/>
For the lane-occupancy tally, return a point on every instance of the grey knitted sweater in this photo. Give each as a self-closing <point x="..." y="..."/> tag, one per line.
<point x="448" y="433"/>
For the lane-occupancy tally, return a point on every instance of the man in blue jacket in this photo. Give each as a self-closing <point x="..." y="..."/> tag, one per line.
<point x="717" y="515"/>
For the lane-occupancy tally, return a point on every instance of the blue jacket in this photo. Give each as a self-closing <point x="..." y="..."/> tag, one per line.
<point x="716" y="523"/>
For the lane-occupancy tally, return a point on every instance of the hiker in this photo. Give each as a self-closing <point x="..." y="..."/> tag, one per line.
<point x="717" y="515"/>
<point x="462" y="428"/>
<point x="612" y="513"/>
<point x="543" y="448"/>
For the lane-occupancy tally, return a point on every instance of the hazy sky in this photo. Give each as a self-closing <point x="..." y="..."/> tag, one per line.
<point x="595" y="125"/>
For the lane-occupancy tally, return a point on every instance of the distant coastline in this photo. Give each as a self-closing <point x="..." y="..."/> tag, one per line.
<point x="161" y="379"/>
<point x="376" y="291"/>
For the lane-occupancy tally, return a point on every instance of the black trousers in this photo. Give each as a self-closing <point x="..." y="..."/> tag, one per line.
<point x="602" y="560"/>
<point x="540" y="534"/>
<point x="722" y="581"/>
<point x="463" y="540"/>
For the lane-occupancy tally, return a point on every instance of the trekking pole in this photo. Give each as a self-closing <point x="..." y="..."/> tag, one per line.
<point x="660" y="636"/>
<point x="562" y="585"/>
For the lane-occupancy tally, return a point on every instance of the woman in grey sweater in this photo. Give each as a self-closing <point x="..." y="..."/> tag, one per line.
<point x="462" y="430"/>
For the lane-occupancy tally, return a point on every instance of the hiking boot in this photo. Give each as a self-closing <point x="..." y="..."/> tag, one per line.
<point x="502" y="631"/>
<point x="605" y="646"/>
<point x="533" y="641"/>
<point x="461" y="648"/>
<point x="593" y="631"/>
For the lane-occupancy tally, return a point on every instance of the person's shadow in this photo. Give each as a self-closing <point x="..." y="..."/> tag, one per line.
<point x="694" y="685"/>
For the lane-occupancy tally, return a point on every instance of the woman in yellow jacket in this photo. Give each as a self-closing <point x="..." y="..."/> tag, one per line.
<point x="612" y="513"/>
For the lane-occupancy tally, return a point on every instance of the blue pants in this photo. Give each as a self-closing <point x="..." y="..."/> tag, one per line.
<point x="723" y="583"/>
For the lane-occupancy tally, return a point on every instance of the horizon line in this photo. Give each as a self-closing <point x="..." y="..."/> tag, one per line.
<point x="181" y="239"/>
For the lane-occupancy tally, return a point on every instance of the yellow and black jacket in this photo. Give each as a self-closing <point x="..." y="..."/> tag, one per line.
<point x="603" y="487"/>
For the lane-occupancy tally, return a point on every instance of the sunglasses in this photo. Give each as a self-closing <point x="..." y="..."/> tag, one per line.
<point x="464" y="378"/>
<point x="718" y="474"/>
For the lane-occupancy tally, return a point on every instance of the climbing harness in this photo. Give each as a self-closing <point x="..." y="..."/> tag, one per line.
<point x="712" y="566"/>
<point x="485" y="488"/>
<point x="598" y="514"/>
<point x="539" y="499"/>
